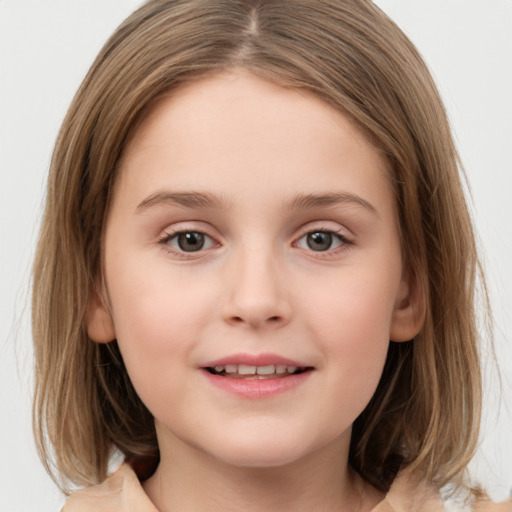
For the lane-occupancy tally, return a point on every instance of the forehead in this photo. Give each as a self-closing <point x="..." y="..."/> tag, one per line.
<point x="239" y="135"/>
<point x="237" y="97"/>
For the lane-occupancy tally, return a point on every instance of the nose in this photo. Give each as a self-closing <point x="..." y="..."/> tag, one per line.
<point x="257" y="294"/>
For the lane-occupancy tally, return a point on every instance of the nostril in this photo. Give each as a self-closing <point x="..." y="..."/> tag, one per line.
<point x="276" y="319"/>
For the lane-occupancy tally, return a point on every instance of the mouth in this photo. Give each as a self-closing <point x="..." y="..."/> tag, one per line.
<point x="252" y="372"/>
<point x="260" y="376"/>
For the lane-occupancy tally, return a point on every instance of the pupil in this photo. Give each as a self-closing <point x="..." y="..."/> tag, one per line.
<point x="319" y="241"/>
<point x="190" y="242"/>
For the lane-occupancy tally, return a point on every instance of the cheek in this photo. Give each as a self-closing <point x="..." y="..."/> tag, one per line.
<point x="351" y="321"/>
<point x="356" y="305"/>
<point x="158" y="318"/>
<point x="152" y="304"/>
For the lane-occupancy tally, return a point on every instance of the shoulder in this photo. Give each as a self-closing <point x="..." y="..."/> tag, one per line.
<point x="121" y="492"/>
<point x="482" y="505"/>
<point x="408" y="493"/>
<point x="486" y="505"/>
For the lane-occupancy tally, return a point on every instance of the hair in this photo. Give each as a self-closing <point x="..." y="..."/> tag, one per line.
<point x="425" y="412"/>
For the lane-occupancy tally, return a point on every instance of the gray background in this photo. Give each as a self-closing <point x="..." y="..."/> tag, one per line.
<point x="45" y="49"/>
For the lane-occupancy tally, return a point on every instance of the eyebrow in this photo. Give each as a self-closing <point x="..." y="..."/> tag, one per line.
<point x="186" y="199"/>
<point x="208" y="200"/>
<point x="330" y="199"/>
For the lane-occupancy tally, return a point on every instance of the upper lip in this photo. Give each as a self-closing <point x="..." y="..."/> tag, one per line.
<point x="254" y="360"/>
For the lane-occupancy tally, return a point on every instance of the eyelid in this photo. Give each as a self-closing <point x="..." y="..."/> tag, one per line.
<point x="172" y="236"/>
<point x="172" y="232"/>
<point x="327" y="227"/>
<point x="340" y="232"/>
<point x="342" y="240"/>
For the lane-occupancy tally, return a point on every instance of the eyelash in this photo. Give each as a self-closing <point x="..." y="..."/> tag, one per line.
<point x="167" y="237"/>
<point x="345" y="242"/>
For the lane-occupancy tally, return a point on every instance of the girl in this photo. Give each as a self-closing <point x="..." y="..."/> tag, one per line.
<point x="256" y="268"/>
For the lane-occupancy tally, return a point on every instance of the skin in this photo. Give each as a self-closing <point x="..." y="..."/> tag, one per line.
<point x="257" y="286"/>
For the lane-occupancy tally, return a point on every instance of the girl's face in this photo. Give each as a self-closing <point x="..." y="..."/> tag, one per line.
<point x="253" y="270"/>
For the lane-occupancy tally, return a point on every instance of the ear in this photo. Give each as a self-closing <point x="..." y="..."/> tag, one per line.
<point x="409" y="311"/>
<point x="99" y="323"/>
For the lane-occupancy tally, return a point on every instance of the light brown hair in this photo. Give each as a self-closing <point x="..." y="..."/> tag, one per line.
<point x="426" y="410"/>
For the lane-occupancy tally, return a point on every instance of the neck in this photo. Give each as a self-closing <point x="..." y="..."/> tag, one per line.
<point x="189" y="479"/>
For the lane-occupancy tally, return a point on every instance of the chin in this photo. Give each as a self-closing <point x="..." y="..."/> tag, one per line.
<point x="263" y="450"/>
<point x="246" y="458"/>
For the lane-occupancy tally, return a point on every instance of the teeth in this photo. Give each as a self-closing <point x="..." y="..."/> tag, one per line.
<point x="244" y="369"/>
<point x="266" y="370"/>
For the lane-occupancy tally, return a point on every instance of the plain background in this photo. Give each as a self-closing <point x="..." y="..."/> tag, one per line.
<point x="46" y="48"/>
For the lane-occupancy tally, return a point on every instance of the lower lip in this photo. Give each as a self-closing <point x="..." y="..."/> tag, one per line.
<point x="257" y="388"/>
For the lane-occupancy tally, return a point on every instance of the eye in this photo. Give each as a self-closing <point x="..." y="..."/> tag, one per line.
<point x="188" y="241"/>
<point x="321" y="241"/>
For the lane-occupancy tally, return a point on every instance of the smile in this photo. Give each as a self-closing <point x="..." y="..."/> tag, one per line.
<point x="256" y="376"/>
<point x="248" y="372"/>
